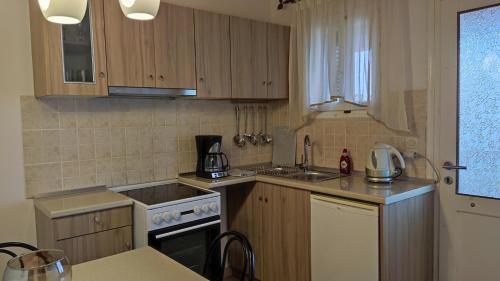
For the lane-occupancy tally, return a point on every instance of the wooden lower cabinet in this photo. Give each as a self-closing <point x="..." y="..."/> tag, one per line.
<point x="276" y="220"/>
<point x="96" y="245"/>
<point x="87" y="236"/>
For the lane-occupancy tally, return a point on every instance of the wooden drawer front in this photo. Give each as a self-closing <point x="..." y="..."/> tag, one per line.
<point x="97" y="245"/>
<point x="73" y="226"/>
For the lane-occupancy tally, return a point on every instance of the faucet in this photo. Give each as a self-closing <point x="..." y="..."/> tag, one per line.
<point x="307" y="149"/>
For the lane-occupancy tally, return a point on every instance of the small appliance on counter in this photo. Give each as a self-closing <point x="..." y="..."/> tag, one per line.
<point x="212" y="163"/>
<point x="380" y="167"/>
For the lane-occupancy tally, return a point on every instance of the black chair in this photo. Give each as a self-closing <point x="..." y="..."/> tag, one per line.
<point x="214" y="270"/>
<point x="15" y="245"/>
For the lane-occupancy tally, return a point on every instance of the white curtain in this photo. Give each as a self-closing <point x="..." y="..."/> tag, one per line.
<point x="358" y="49"/>
<point x="315" y="43"/>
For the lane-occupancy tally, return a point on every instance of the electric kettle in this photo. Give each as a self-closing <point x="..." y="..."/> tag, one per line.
<point x="380" y="166"/>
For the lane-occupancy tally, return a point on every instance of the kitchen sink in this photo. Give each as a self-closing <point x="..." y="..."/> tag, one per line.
<point x="313" y="176"/>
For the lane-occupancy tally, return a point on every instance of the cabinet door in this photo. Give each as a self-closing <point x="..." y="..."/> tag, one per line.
<point x="248" y="59"/>
<point x="278" y="45"/>
<point x="69" y="59"/>
<point x="174" y="47"/>
<point x="97" y="245"/>
<point x="286" y="234"/>
<point x="213" y="60"/>
<point x="129" y="49"/>
<point x="245" y="203"/>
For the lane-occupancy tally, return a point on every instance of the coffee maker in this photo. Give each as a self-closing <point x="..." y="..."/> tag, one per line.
<point x="212" y="163"/>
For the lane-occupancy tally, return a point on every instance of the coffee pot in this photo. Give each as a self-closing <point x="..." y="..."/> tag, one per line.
<point x="212" y="163"/>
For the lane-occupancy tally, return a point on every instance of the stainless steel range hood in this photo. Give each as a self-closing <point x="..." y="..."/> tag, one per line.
<point x="150" y="92"/>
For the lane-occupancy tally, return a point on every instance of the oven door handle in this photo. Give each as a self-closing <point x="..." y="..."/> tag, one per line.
<point x="160" y="236"/>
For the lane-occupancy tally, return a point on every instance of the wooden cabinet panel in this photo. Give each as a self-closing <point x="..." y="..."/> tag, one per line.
<point x="296" y="234"/>
<point x="47" y="55"/>
<point x="97" y="245"/>
<point x="174" y="47"/>
<point x="406" y="239"/>
<point x="72" y="226"/>
<point x="248" y="59"/>
<point x="129" y="48"/>
<point x="276" y="220"/>
<point x="213" y="60"/>
<point x="245" y="215"/>
<point x="278" y="45"/>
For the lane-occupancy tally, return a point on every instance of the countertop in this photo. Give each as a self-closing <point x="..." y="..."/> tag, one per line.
<point x="79" y="203"/>
<point x="353" y="187"/>
<point x="143" y="264"/>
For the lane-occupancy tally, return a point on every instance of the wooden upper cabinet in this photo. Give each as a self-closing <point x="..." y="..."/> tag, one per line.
<point x="213" y="61"/>
<point x="248" y="59"/>
<point x="174" y="47"/>
<point x="130" y="48"/>
<point x="69" y="60"/>
<point x="278" y="45"/>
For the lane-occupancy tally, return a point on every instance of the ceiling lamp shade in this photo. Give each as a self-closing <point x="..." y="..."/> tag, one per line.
<point x="140" y="9"/>
<point x="63" y="11"/>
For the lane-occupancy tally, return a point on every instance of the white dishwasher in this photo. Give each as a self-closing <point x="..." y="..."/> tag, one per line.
<point x="344" y="240"/>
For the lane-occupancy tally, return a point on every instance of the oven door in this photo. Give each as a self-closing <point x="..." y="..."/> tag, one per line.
<point x="188" y="243"/>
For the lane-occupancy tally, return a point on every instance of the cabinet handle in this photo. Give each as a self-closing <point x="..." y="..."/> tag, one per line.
<point x="269" y="83"/>
<point x="260" y="198"/>
<point x="128" y="246"/>
<point x="265" y="200"/>
<point x="263" y="83"/>
<point x="97" y="220"/>
<point x="162" y="77"/>
<point x="202" y="79"/>
<point x="151" y="77"/>
<point x="102" y="74"/>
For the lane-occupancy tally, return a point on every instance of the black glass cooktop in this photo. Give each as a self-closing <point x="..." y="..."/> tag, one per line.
<point x="163" y="193"/>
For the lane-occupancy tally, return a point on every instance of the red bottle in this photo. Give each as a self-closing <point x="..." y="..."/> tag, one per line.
<point x="345" y="163"/>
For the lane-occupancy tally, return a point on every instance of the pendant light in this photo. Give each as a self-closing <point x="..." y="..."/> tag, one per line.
<point x="63" y="11"/>
<point x="140" y="9"/>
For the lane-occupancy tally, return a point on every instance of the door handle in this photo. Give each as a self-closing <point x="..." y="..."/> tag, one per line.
<point x="449" y="166"/>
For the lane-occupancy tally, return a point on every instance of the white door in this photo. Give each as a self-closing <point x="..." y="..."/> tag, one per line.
<point x="467" y="112"/>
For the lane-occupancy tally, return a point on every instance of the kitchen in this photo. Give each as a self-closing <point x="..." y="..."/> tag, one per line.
<point x="67" y="143"/>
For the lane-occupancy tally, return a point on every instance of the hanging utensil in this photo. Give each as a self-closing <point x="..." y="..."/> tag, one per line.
<point x="238" y="139"/>
<point x="267" y="137"/>
<point x="260" y="116"/>
<point x="253" y="137"/>
<point x="246" y="135"/>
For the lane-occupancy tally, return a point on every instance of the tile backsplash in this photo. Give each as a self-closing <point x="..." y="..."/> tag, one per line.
<point x="330" y="136"/>
<point x="75" y="142"/>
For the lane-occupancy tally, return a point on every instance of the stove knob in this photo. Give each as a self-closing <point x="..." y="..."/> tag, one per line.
<point x="176" y="214"/>
<point x="205" y="208"/>
<point x="166" y="216"/>
<point x="197" y="210"/>
<point x="157" y="219"/>
<point x="213" y="207"/>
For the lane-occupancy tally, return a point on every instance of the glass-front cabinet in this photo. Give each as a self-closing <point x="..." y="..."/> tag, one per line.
<point x="69" y="59"/>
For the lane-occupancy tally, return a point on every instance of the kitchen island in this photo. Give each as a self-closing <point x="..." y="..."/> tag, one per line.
<point x="143" y="264"/>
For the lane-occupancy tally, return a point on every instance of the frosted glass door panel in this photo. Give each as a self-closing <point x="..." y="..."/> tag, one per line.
<point x="77" y="51"/>
<point x="479" y="102"/>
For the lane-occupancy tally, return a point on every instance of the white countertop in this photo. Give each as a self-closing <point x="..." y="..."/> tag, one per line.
<point x="353" y="187"/>
<point x="143" y="264"/>
<point x="79" y="203"/>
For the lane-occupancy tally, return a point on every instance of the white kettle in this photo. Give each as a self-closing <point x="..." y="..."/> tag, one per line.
<point x="380" y="166"/>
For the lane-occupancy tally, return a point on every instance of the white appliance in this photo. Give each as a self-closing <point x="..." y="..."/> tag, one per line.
<point x="344" y="240"/>
<point x="380" y="166"/>
<point x="177" y="219"/>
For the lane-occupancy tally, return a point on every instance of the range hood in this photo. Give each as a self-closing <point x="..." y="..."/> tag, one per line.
<point x="150" y="92"/>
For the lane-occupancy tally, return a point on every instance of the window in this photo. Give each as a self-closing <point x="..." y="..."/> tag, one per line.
<point x="478" y="134"/>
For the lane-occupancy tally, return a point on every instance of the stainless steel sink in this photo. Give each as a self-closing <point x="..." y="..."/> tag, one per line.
<point x="313" y="176"/>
